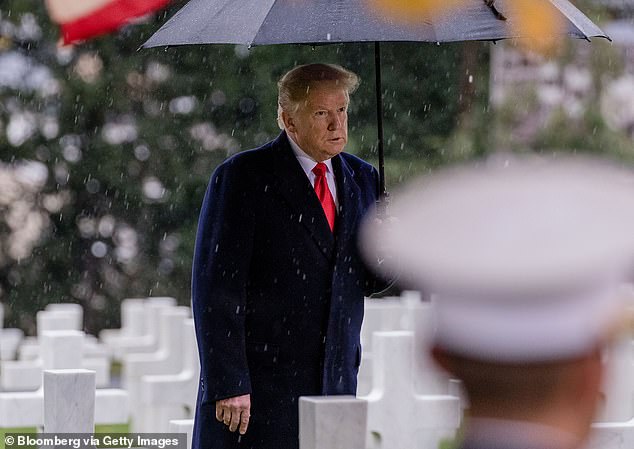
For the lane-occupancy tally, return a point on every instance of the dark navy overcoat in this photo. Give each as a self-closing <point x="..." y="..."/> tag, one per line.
<point x="277" y="297"/>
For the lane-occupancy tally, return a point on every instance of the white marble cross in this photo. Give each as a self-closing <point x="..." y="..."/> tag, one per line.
<point x="69" y="401"/>
<point x="183" y="426"/>
<point x="59" y="349"/>
<point x="142" y="317"/>
<point x="61" y="319"/>
<point x="166" y="397"/>
<point x="9" y="342"/>
<point x="614" y="428"/>
<point x="133" y="324"/>
<point x="332" y="422"/>
<point x="398" y="417"/>
<point x="62" y="351"/>
<point x="385" y="314"/>
<point x="75" y="312"/>
<point x="168" y="359"/>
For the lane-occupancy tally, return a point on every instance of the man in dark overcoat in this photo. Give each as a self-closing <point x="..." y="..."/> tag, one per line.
<point x="278" y="284"/>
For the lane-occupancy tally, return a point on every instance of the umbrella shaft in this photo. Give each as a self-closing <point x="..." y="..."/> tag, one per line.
<point x="379" y="116"/>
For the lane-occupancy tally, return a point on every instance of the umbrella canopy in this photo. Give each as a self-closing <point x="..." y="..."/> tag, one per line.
<point x="266" y="22"/>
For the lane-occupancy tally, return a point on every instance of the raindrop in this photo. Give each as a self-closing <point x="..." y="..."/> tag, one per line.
<point x="241" y="51"/>
<point x="157" y="72"/>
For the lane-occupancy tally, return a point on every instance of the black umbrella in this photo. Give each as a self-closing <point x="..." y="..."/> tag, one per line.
<point x="266" y="22"/>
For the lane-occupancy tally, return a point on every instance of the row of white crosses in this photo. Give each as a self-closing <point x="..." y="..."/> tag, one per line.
<point x="10" y="338"/>
<point x="26" y="373"/>
<point x="61" y="350"/>
<point x="157" y="348"/>
<point x="404" y="401"/>
<point x="160" y="365"/>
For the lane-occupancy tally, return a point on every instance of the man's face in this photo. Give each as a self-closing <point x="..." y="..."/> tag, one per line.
<point x="320" y="124"/>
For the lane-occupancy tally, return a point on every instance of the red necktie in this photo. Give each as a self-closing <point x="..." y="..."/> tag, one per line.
<point x="323" y="193"/>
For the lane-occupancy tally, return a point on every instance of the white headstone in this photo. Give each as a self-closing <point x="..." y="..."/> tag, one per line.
<point x="9" y="341"/>
<point x="71" y="309"/>
<point x="69" y="401"/>
<point x="172" y="396"/>
<point x="398" y="417"/>
<point x="611" y="436"/>
<point x="20" y="375"/>
<point x="148" y="342"/>
<point x="614" y="428"/>
<point x="132" y="317"/>
<point x="26" y="409"/>
<point x="29" y="349"/>
<point x="332" y="422"/>
<point x="618" y="386"/>
<point x="168" y="359"/>
<point x="61" y="349"/>
<point x="385" y="314"/>
<point x="57" y="320"/>
<point x="420" y="319"/>
<point x="185" y="426"/>
<point x="133" y="322"/>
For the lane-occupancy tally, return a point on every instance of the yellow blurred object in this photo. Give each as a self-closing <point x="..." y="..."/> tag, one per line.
<point x="5" y="43"/>
<point x="538" y="23"/>
<point x="414" y="10"/>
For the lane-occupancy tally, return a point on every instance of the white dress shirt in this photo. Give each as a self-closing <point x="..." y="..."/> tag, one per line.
<point x="308" y="163"/>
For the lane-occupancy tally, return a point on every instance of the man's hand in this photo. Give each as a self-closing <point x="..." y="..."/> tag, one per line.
<point x="235" y="412"/>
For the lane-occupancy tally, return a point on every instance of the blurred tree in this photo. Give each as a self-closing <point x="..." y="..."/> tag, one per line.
<point x="124" y="141"/>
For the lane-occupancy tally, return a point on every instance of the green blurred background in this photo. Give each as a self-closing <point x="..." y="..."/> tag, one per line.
<point x="106" y="150"/>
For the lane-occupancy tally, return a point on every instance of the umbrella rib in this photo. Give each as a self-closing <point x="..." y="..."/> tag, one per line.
<point x="259" y="28"/>
<point x="496" y="12"/>
<point x="565" y="10"/>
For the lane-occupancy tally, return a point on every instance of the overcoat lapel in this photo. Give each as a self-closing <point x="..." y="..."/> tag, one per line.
<point x="293" y="185"/>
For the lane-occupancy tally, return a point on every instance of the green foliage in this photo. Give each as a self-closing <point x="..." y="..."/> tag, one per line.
<point x="589" y="135"/>
<point x="128" y="120"/>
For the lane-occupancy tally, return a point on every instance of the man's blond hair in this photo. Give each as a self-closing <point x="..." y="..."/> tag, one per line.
<point x="295" y="84"/>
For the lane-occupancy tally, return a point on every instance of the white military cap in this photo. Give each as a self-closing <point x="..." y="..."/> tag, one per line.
<point x="525" y="254"/>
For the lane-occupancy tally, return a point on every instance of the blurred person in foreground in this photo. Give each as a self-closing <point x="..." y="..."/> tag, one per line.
<point x="278" y="283"/>
<point x="526" y="257"/>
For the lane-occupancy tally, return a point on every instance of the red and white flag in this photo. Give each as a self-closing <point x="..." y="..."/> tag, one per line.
<point x="82" y="19"/>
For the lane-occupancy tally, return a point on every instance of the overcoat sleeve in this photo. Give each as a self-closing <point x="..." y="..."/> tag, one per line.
<point x="220" y="272"/>
<point x="374" y="283"/>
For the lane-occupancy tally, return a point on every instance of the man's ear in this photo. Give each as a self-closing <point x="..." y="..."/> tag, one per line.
<point x="289" y="122"/>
